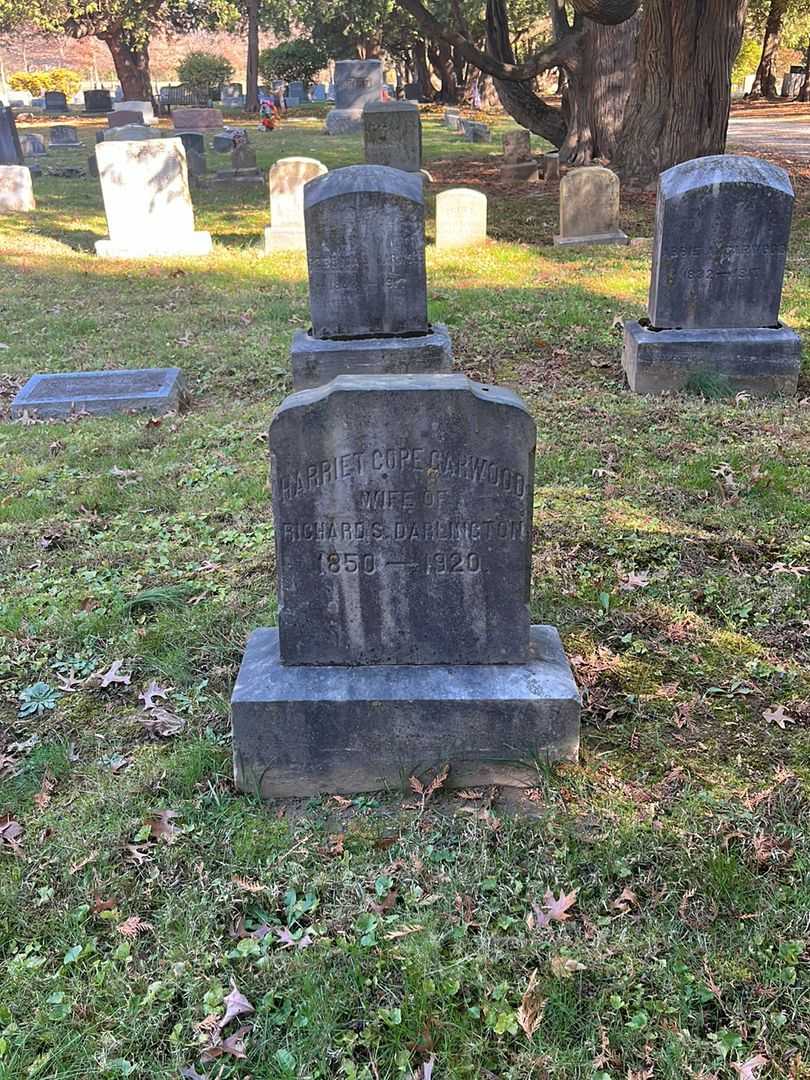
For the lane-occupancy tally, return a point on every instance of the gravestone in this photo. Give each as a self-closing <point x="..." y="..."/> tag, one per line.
<point x="196" y="164"/>
<point x="403" y="518"/>
<point x="147" y="201"/>
<point x="124" y="117"/>
<point x="589" y="208"/>
<point x="365" y="236"/>
<point x="55" y="101"/>
<point x="518" y="163"/>
<point x="192" y="140"/>
<point x="461" y="218"/>
<point x="191" y="119"/>
<point x="721" y="235"/>
<point x="130" y="133"/>
<point x="232" y="96"/>
<point x="23" y="99"/>
<point x="33" y="145"/>
<point x="551" y="166"/>
<point x="475" y="132"/>
<point x="144" y="107"/>
<point x="319" y="92"/>
<point x="392" y="135"/>
<point x="357" y="83"/>
<point x="296" y="94"/>
<point x="16" y="190"/>
<point x="412" y="91"/>
<point x="452" y="119"/>
<point x="286" y="181"/>
<point x="243" y="168"/>
<point x="101" y="393"/>
<point x="64" y="136"/>
<point x="224" y="141"/>
<point x="10" y="148"/>
<point x="97" y="101"/>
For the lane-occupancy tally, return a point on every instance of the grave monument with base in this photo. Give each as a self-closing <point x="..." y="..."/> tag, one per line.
<point x="365" y="237"/>
<point x="357" y="83"/>
<point x="722" y="228"/>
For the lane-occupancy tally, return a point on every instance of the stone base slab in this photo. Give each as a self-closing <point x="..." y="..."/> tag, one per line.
<point x="520" y="170"/>
<point x="344" y="122"/>
<point x="762" y="361"/>
<point x="196" y="243"/>
<point x="316" y="361"/>
<point x="617" y="237"/>
<point x="277" y="238"/>
<point x="101" y="393"/>
<point x="300" y="731"/>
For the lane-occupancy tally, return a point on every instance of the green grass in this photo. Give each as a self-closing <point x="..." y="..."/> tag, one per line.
<point x="153" y="544"/>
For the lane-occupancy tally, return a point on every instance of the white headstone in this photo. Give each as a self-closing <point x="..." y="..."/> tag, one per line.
<point x="143" y="107"/>
<point x="16" y="190"/>
<point x="287" y="178"/>
<point x="461" y="217"/>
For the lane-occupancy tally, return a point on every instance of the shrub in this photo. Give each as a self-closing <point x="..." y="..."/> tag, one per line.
<point x="204" y="70"/>
<point x="37" y="82"/>
<point x="299" y="59"/>
<point x="747" y="60"/>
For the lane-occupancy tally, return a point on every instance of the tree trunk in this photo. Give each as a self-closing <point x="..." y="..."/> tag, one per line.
<point x="441" y="60"/>
<point x="252" y="62"/>
<point x="131" y="65"/>
<point x="680" y="94"/>
<point x="804" y="93"/>
<point x="765" y="78"/>
<point x="420" y="68"/>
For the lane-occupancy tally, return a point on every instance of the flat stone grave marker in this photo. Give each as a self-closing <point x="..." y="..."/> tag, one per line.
<point x="144" y="107"/>
<point x="392" y="135"/>
<point x="16" y="190"/>
<point x="33" y="145"/>
<point x="286" y="181"/>
<point x="461" y="217"/>
<point x="10" y="149"/>
<point x="518" y="163"/>
<point x="64" y="136"/>
<point x="475" y="132"/>
<point x="721" y="236"/>
<point x="125" y="117"/>
<point x="97" y="101"/>
<point x="101" y="393"/>
<point x="190" y="118"/>
<point x="357" y="84"/>
<point x="147" y="201"/>
<point x="589" y="208"/>
<point x="55" y="101"/>
<point x="403" y="510"/>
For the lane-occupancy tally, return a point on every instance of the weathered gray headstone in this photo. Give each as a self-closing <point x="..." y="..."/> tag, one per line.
<point x="64" y="136"/>
<point x="357" y="83"/>
<point x="551" y="166"/>
<point x="124" y="117"/>
<point x="392" y="135"/>
<point x="147" y="201"/>
<point x="452" y="119"/>
<point x="194" y="118"/>
<point x="101" y="393"/>
<point x="475" y="132"/>
<point x="589" y="207"/>
<point x="196" y="163"/>
<point x="16" y="190"/>
<point x="461" y="217"/>
<point x="403" y="510"/>
<point x="144" y="107"/>
<point x="721" y="237"/>
<point x="10" y="149"/>
<point x="296" y="94"/>
<point x="243" y="157"/>
<point x="129" y="133"/>
<point x="192" y="140"/>
<point x="55" y="101"/>
<point x="286" y="180"/>
<point x="232" y="96"/>
<point x="33" y="145"/>
<point x="97" y="101"/>
<point x="518" y="163"/>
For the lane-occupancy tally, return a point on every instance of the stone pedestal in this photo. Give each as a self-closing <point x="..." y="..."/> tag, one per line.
<point x="316" y="361"/>
<point x="762" y="361"/>
<point x="301" y="731"/>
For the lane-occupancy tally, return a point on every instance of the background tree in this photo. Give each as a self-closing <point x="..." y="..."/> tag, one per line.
<point x="299" y="59"/>
<point x="204" y="70"/>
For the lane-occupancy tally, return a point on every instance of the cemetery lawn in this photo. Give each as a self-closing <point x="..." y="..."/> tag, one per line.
<point x="375" y="935"/>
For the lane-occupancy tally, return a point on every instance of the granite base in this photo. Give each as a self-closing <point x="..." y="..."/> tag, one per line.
<point x="316" y="361"/>
<point x="617" y="237"/>
<point x="344" y="122"/>
<point x="762" y="361"/>
<point x="300" y="731"/>
<point x="196" y="243"/>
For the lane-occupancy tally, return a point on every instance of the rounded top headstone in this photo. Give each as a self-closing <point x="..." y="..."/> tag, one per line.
<point x="724" y="169"/>
<point x="354" y="179"/>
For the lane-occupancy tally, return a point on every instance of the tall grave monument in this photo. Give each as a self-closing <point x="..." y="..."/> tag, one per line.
<point x="721" y="236"/>
<point x="403" y="511"/>
<point x="357" y="83"/>
<point x="365" y="237"/>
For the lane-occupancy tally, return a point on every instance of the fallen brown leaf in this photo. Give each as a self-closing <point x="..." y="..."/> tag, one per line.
<point x="162" y="826"/>
<point x="161" y="722"/>
<point x="777" y="715"/>
<point x="564" y="967"/>
<point x="236" y="1004"/>
<point x="10" y="834"/>
<point x="530" y="1010"/>
<point x="151" y="692"/>
<point x="113" y="675"/>
<point x="626" y="900"/>
<point x="43" y="796"/>
<point x="553" y="910"/>
<point x="749" y="1070"/>
<point x="134" y="926"/>
<point x="80" y="865"/>
<point x="100" y="905"/>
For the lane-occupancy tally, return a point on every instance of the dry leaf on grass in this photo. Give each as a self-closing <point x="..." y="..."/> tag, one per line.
<point x="530" y="1010"/>
<point x="634" y="580"/>
<point x="233" y="1045"/>
<point x="285" y="936"/>
<point x="43" y="796"/>
<point x="161" y="722"/>
<point x="552" y="910"/>
<point x="134" y="926"/>
<point x="564" y="967"/>
<point x="162" y="827"/>
<point x="100" y="905"/>
<point x="112" y="675"/>
<point x="10" y="834"/>
<point x="403" y="931"/>
<point x="190" y="1073"/>
<point x="80" y="865"/>
<point x="749" y="1070"/>
<point x="626" y="900"/>
<point x="425" y="1070"/>
<point x="427" y="791"/>
<point x="777" y="715"/>
<point x="151" y="692"/>
<point x="236" y="1004"/>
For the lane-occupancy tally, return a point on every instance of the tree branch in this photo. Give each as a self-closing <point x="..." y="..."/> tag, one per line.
<point x="559" y="54"/>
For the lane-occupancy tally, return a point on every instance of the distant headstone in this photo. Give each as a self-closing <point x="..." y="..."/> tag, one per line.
<point x="452" y="119"/>
<point x="589" y="207"/>
<point x="192" y="140"/>
<point x="196" y="163"/>
<point x="64" y="136"/>
<point x="92" y="163"/>
<point x="10" y="149"/>
<point x="296" y="94"/>
<point x="55" y="101"/>
<point x="243" y="168"/>
<point x="287" y="178"/>
<point x="101" y="393"/>
<point x="412" y="91"/>
<point x="721" y="236"/>
<point x="147" y="201"/>
<point x="187" y="118"/>
<point x="475" y="132"/>
<point x="551" y="166"/>
<point x="518" y="163"/>
<point x="97" y="101"/>
<point x="16" y="190"/>
<point x="33" y="145"/>
<point x="357" y="83"/>
<point x="124" y="117"/>
<point x="232" y="97"/>
<point x="143" y="107"/>
<point x="461" y="218"/>
<point x="392" y="135"/>
<point x="21" y="98"/>
<point x="130" y="133"/>
<point x="403" y="509"/>
<point x="319" y="92"/>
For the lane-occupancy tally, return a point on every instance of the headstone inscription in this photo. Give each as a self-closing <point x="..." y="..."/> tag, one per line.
<point x="64" y="137"/>
<point x="97" y="101"/>
<point x="721" y="235"/>
<point x="144" y="107"/>
<point x="16" y="190"/>
<point x="461" y="217"/>
<point x="518" y="163"/>
<point x="357" y="83"/>
<point x="147" y="201"/>
<point x="55" y="101"/>
<point x="589" y="208"/>
<point x="232" y="96"/>
<point x="286" y="180"/>
<point x="365" y="236"/>
<point x="10" y="150"/>
<point x="101" y="393"/>
<point x="392" y="135"/>
<point x="403" y="510"/>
